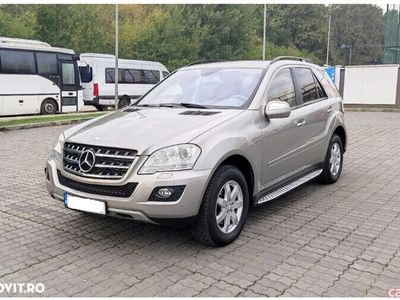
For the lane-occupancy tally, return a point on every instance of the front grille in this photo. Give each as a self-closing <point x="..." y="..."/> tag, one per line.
<point x="109" y="163"/>
<point x="123" y="191"/>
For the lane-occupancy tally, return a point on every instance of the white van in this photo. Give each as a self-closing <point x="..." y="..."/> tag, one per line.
<point x="37" y="78"/>
<point x="135" y="78"/>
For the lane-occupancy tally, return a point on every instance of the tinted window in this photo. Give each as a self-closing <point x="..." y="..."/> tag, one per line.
<point x="86" y="74"/>
<point x="164" y="74"/>
<point x="132" y="76"/>
<point x="68" y="73"/>
<point x="151" y="76"/>
<point x="306" y="83"/>
<point x="282" y="88"/>
<point x="320" y="90"/>
<point x="47" y="63"/>
<point x="18" y="62"/>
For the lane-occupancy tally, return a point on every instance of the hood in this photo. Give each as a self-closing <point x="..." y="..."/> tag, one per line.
<point x="148" y="129"/>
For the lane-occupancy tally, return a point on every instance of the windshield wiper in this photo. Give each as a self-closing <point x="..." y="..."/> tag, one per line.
<point x="182" y="104"/>
<point x="192" y="105"/>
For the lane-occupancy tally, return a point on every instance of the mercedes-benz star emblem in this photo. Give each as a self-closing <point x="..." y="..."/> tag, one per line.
<point x="87" y="160"/>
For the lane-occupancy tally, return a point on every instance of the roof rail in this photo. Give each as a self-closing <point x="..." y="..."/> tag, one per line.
<point x="290" y="58"/>
<point x="205" y="61"/>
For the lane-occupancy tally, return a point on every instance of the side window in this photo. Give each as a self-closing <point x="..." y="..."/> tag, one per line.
<point x="46" y="63"/>
<point x="110" y="75"/>
<point x="320" y="90"/>
<point x="18" y="62"/>
<point x="151" y="76"/>
<point x="164" y="74"/>
<point x="86" y="73"/>
<point x="307" y="84"/>
<point x="282" y="88"/>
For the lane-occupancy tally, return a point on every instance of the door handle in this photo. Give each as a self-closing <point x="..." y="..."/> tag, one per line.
<point x="301" y="122"/>
<point x="21" y="101"/>
<point x="330" y="109"/>
<point x="70" y="94"/>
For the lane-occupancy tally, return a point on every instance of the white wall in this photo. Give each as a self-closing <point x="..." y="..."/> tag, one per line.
<point x="375" y="84"/>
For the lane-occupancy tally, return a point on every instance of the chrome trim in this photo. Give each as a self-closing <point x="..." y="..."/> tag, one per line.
<point x="116" y="156"/>
<point x="288" y="187"/>
<point x="111" y="167"/>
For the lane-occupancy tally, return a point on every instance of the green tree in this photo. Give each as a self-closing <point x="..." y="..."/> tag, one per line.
<point x="18" y="21"/>
<point x="360" y="26"/>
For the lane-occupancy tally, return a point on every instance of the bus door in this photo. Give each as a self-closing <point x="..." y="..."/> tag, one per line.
<point x="69" y="86"/>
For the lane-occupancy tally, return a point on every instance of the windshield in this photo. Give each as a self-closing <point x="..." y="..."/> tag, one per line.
<point x="211" y="87"/>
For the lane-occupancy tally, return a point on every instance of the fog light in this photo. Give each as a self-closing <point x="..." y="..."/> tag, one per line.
<point x="167" y="193"/>
<point x="164" y="193"/>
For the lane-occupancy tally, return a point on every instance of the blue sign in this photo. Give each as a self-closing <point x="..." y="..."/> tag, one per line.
<point x="331" y="72"/>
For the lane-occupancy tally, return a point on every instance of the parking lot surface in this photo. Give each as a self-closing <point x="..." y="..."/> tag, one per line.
<point x="319" y="240"/>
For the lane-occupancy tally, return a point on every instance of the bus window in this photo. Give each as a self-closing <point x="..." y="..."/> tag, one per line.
<point x="17" y="62"/>
<point x="46" y="63"/>
<point x="152" y="76"/>
<point x="68" y="73"/>
<point x="86" y="74"/>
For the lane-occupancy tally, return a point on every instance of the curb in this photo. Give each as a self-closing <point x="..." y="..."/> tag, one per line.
<point x="44" y="124"/>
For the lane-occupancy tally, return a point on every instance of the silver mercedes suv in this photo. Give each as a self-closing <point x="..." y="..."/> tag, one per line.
<point x="204" y="145"/>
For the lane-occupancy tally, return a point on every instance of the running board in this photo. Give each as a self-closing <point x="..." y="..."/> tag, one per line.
<point x="288" y="187"/>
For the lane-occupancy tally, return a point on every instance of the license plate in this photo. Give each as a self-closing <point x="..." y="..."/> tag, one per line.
<point x="84" y="204"/>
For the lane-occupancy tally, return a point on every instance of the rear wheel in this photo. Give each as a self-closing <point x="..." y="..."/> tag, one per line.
<point x="101" y="107"/>
<point x="224" y="208"/>
<point x="333" y="161"/>
<point x="124" y="101"/>
<point x="48" y="107"/>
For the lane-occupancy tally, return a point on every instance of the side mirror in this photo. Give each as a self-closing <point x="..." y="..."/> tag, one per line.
<point x="277" y="109"/>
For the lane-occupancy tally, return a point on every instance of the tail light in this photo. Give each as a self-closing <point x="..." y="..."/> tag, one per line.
<point x="96" y="90"/>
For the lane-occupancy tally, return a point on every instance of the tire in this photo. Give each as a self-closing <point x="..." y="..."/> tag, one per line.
<point x="101" y="107"/>
<point x="206" y="229"/>
<point x="48" y="107"/>
<point x="124" y="102"/>
<point x="330" y="174"/>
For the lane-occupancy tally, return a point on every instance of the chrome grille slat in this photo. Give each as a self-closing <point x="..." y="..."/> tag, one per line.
<point x="110" y="163"/>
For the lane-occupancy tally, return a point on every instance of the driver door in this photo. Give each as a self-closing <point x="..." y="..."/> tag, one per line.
<point x="68" y="86"/>
<point x="282" y="137"/>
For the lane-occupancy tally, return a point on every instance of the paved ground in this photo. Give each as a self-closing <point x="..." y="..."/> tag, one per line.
<point x="333" y="240"/>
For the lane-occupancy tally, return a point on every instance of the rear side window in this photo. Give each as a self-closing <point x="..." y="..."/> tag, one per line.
<point x="17" y="62"/>
<point x="282" y="88"/>
<point x="307" y="84"/>
<point x="47" y="64"/>
<point x="86" y="74"/>
<point x="164" y="74"/>
<point x="133" y="76"/>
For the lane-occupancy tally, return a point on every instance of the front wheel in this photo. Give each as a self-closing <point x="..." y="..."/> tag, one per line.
<point x="333" y="161"/>
<point x="48" y="107"/>
<point x="224" y="208"/>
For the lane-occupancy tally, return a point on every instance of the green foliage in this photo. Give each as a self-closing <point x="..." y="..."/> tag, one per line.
<point x="179" y="34"/>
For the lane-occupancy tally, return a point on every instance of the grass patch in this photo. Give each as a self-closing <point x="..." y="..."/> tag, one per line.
<point x="19" y="121"/>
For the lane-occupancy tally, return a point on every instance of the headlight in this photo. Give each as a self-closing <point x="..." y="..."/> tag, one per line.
<point x="57" y="151"/>
<point x="173" y="158"/>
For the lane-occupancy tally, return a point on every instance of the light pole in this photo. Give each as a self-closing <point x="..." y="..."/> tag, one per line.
<point x="329" y="37"/>
<point x="116" y="73"/>
<point x="350" y="47"/>
<point x="264" y="30"/>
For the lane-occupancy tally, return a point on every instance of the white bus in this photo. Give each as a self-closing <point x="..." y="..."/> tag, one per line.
<point x="135" y="78"/>
<point x="37" y="78"/>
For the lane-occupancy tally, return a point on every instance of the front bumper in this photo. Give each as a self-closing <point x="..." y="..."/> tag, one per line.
<point x="138" y="206"/>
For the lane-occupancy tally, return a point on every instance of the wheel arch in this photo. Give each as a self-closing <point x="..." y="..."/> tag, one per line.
<point x="341" y="132"/>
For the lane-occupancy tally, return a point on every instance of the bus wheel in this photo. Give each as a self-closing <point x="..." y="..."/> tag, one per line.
<point x="48" y="107"/>
<point x="124" y="101"/>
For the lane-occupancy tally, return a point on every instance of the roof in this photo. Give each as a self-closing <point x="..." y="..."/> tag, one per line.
<point x="120" y="60"/>
<point x="231" y="64"/>
<point x="14" y="43"/>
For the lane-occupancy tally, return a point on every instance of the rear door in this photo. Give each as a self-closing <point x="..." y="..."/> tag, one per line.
<point x="316" y="108"/>
<point x="69" y="85"/>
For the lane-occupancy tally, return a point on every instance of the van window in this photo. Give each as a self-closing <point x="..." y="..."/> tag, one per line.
<point x="86" y="74"/>
<point x="282" y="88"/>
<point x="164" y="74"/>
<point x="133" y="76"/>
<point x="47" y="63"/>
<point x="18" y="62"/>
<point x="307" y="84"/>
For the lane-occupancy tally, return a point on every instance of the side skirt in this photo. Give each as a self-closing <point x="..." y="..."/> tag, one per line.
<point x="287" y="187"/>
